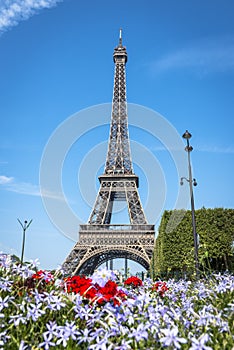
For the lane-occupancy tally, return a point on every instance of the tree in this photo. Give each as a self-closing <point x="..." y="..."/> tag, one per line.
<point x="174" y="246"/>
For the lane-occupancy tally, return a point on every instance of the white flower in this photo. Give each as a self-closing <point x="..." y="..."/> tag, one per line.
<point x="102" y="276"/>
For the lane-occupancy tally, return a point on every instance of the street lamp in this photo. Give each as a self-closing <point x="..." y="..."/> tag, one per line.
<point x="24" y="226"/>
<point x="192" y="182"/>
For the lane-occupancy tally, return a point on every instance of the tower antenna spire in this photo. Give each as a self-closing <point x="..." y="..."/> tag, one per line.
<point x="120" y="37"/>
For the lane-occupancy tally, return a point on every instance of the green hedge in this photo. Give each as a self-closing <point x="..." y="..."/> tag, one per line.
<point x="174" y="246"/>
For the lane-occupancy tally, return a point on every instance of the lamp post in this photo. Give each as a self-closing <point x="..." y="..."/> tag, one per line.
<point x="192" y="182"/>
<point x="24" y="226"/>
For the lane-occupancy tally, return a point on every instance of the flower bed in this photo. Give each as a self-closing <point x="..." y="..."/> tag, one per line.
<point x="42" y="310"/>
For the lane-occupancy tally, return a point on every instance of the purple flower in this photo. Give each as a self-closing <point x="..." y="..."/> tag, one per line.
<point x="4" y="302"/>
<point x="205" y="319"/>
<point x="171" y="338"/>
<point x="100" y="344"/>
<point x="66" y="332"/>
<point x="34" y="311"/>
<point x="139" y="333"/>
<point x="84" y="313"/>
<point x="53" y="328"/>
<point x="17" y="319"/>
<point x="124" y="345"/>
<point x="23" y="271"/>
<point x="78" y="301"/>
<point x="84" y="336"/>
<point x="54" y="301"/>
<point x="5" y="260"/>
<point x="47" y="342"/>
<point x="199" y="344"/>
<point x="35" y="263"/>
<point x="3" y="338"/>
<point x="5" y="284"/>
<point x="70" y="330"/>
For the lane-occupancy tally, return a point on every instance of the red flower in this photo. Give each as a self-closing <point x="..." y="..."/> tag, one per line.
<point x="77" y="284"/>
<point x="110" y="293"/>
<point x="93" y="292"/>
<point x="133" y="281"/>
<point x="90" y="293"/>
<point x="109" y="290"/>
<point x="160" y="287"/>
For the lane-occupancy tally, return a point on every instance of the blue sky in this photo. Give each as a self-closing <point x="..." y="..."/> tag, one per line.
<point x="56" y="60"/>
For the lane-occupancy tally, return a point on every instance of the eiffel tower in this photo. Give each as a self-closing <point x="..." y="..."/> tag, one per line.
<point x="99" y="240"/>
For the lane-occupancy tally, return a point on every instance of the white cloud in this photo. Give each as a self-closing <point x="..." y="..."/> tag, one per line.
<point x="216" y="149"/>
<point x="26" y="188"/>
<point x="33" y="190"/>
<point x="5" y="179"/>
<point x="14" y="11"/>
<point x="207" y="56"/>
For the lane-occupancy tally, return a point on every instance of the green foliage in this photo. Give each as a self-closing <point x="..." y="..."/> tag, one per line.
<point x="216" y="232"/>
<point x="174" y="247"/>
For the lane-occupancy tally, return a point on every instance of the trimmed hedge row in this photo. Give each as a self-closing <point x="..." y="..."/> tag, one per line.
<point x="174" y="246"/>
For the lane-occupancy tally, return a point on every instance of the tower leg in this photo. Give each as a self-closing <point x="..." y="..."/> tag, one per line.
<point x="126" y="268"/>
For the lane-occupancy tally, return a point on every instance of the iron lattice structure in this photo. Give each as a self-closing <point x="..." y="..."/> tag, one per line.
<point x="99" y="240"/>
